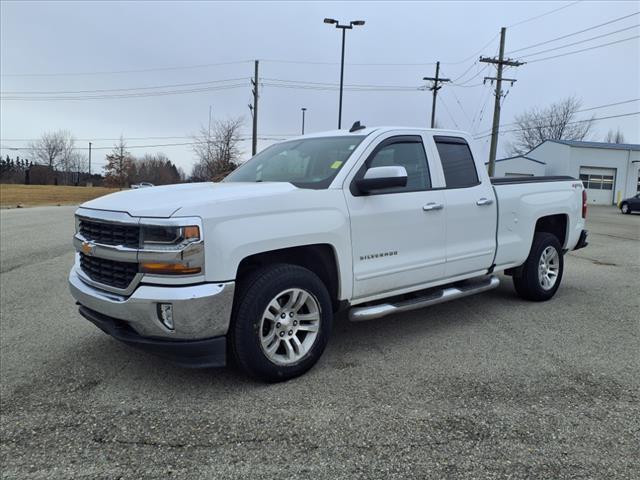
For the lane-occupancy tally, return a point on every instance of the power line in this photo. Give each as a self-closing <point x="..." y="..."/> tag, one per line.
<point x="543" y="14"/>
<point x="353" y="89"/>
<point x="444" y="104"/>
<point x="581" y="41"/>
<point x="594" y="119"/>
<point x="182" y="144"/>
<point x="572" y="34"/>
<point x="179" y="137"/>
<point x="475" y="54"/>
<point x="175" y="85"/>
<point x="461" y="107"/>
<point x="125" y="95"/>
<point x="583" y="49"/>
<point x="624" y="102"/>
<point x="113" y="72"/>
<point x="327" y="84"/>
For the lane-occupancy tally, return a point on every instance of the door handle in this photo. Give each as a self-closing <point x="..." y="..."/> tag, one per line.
<point x="432" y="206"/>
<point x="484" y="201"/>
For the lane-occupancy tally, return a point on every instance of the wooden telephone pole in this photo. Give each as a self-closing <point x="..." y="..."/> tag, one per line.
<point x="254" y="110"/>
<point x="500" y="62"/>
<point x="437" y="85"/>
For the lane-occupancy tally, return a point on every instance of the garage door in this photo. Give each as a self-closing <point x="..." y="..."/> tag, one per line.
<point x="599" y="184"/>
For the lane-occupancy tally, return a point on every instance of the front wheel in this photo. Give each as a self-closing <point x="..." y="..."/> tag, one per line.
<point x="624" y="208"/>
<point x="541" y="273"/>
<point x="281" y="323"/>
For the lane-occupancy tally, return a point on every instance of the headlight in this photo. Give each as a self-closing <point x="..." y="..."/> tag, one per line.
<point x="158" y="237"/>
<point x="171" y="250"/>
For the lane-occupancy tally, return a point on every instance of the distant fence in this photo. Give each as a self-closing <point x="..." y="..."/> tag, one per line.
<point x="27" y="174"/>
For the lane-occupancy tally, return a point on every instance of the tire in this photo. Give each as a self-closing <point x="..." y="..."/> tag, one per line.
<point x="535" y="284"/>
<point x="624" y="208"/>
<point x="261" y="340"/>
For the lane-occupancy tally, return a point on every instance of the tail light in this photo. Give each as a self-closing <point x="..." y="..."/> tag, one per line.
<point x="584" y="203"/>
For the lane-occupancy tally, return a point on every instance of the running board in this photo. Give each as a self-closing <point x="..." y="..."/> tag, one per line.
<point x="359" y="314"/>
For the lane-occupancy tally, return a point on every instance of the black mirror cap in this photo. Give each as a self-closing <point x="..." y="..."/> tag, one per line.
<point x="366" y="185"/>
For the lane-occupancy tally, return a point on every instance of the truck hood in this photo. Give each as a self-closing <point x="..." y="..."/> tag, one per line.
<point x="165" y="201"/>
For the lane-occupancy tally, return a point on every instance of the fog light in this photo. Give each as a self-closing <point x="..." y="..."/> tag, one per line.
<point x="165" y="313"/>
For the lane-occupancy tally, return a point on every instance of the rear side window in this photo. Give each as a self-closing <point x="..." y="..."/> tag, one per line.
<point x="457" y="162"/>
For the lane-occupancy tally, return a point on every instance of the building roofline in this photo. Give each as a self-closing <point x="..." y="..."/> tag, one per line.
<point x="519" y="156"/>
<point x="588" y="144"/>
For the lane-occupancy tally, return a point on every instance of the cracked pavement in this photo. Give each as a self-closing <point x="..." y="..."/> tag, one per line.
<point x="488" y="386"/>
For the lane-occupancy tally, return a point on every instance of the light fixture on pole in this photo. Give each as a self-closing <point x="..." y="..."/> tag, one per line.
<point x="344" y="28"/>
<point x="303" y="112"/>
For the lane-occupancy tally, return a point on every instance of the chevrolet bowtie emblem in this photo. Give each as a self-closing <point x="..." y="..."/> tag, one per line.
<point x="88" y="248"/>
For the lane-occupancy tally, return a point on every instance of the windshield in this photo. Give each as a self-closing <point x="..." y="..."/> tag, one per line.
<point x="307" y="163"/>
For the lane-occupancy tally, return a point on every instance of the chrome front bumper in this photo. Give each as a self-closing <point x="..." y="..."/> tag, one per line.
<point x="199" y="311"/>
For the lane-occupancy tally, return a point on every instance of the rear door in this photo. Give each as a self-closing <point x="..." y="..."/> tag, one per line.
<point x="398" y="235"/>
<point x="470" y="216"/>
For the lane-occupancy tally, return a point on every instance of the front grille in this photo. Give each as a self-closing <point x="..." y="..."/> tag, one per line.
<point x="110" y="233"/>
<point x="108" y="272"/>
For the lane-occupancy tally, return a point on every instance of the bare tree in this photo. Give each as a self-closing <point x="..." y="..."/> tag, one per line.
<point x="614" y="137"/>
<point x="155" y="168"/>
<point x="119" y="167"/>
<point x="71" y="167"/>
<point x="217" y="150"/>
<point x="53" y="148"/>
<point x="555" y="122"/>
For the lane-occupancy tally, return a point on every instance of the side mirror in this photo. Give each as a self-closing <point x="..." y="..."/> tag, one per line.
<point x="378" y="178"/>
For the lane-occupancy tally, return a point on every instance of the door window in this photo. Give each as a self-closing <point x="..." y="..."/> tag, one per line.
<point x="457" y="162"/>
<point x="407" y="154"/>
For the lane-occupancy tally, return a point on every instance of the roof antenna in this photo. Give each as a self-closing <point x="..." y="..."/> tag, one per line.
<point x="356" y="126"/>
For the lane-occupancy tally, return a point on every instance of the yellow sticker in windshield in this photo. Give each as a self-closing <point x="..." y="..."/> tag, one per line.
<point x="336" y="164"/>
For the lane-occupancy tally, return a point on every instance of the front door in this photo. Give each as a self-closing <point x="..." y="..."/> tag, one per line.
<point x="398" y="235"/>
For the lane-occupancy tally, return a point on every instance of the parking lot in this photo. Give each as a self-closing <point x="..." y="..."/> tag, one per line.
<point x="489" y="386"/>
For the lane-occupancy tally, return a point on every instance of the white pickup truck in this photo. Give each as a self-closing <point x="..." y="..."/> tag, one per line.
<point x="370" y="220"/>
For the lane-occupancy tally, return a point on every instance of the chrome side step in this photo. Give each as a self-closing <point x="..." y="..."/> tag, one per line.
<point x="359" y="314"/>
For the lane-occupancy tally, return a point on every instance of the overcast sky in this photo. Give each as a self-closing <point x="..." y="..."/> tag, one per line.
<point x="85" y="46"/>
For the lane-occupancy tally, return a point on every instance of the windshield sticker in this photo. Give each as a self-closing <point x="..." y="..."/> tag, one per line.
<point x="336" y="164"/>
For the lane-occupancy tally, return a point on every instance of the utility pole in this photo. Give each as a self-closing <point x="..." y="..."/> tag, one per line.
<point x="500" y="62"/>
<point x="89" y="161"/>
<point x="254" y="138"/>
<point x="303" y="110"/>
<point x="437" y="81"/>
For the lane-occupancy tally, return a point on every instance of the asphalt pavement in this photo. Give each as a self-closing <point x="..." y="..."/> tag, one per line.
<point x="489" y="386"/>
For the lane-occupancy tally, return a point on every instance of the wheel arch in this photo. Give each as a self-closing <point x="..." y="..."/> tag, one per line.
<point x="319" y="258"/>
<point x="557" y="225"/>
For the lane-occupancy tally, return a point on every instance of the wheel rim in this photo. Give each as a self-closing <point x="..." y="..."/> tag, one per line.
<point x="548" y="268"/>
<point x="289" y="326"/>
<point x="625" y="208"/>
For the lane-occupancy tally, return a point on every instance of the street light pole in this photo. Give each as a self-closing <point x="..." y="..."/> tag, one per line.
<point x="344" y="28"/>
<point x="303" y="110"/>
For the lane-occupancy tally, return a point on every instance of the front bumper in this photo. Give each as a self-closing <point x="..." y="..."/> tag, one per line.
<point x="210" y="352"/>
<point x="199" y="311"/>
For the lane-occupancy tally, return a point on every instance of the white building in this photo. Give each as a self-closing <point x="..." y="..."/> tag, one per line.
<point x="610" y="171"/>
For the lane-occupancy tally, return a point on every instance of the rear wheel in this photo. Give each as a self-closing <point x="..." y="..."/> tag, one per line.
<point x="624" y="208"/>
<point x="541" y="273"/>
<point x="281" y="322"/>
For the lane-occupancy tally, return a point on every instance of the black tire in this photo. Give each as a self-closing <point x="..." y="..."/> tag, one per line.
<point x="527" y="283"/>
<point x="628" y="208"/>
<point x="254" y="294"/>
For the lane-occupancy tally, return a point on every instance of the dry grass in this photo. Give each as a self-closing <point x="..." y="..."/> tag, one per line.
<point x="32" y="195"/>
